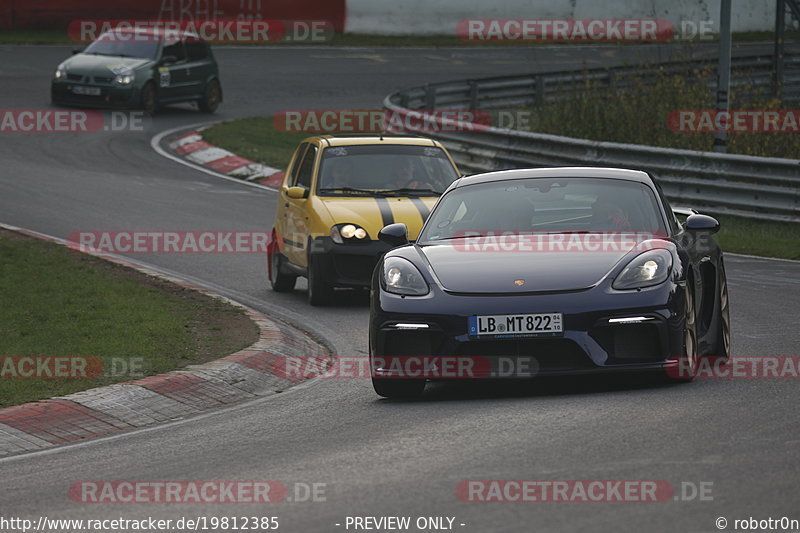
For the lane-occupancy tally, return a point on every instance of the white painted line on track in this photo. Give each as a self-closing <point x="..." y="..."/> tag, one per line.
<point x="748" y="256"/>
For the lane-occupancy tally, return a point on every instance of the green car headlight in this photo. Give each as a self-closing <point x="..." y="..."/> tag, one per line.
<point x="124" y="79"/>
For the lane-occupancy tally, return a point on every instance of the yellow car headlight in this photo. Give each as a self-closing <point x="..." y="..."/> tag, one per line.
<point x="348" y="232"/>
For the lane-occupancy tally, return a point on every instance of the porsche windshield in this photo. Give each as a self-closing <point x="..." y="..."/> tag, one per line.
<point x="120" y="44"/>
<point x="545" y="205"/>
<point x="385" y="170"/>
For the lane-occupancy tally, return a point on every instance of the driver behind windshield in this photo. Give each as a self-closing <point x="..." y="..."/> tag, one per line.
<point x="338" y="175"/>
<point x="409" y="176"/>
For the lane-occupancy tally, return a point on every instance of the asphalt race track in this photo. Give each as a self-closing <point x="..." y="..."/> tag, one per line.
<point x="381" y="457"/>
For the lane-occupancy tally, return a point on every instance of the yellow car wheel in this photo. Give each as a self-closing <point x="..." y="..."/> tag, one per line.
<point x="320" y="291"/>
<point x="281" y="282"/>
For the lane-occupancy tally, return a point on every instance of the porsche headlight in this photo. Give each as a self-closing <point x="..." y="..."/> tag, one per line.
<point x="347" y="232"/>
<point x="400" y="276"/>
<point x="60" y="72"/>
<point x="645" y="270"/>
<point x="124" y="79"/>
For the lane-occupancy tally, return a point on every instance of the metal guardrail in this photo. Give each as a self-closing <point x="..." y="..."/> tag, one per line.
<point x="752" y="187"/>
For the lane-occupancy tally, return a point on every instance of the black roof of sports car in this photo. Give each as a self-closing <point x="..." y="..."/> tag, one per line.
<point x="560" y="172"/>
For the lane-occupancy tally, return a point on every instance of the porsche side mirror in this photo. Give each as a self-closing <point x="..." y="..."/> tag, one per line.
<point x="297" y="193"/>
<point x="394" y="235"/>
<point x="168" y="60"/>
<point x="77" y="51"/>
<point x="702" y="223"/>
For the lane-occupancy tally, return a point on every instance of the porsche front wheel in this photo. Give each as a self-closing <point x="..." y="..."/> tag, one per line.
<point x="688" y="361"/>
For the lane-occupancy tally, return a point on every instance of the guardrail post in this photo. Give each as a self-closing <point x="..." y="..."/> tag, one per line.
<point x="430" y="97"/>
<point x="473" y="94"/>
<point x="780" y="25"/>
<point x="723" y="72"/>
<point x="612" y="80"/>
<point x="539" y="82"/>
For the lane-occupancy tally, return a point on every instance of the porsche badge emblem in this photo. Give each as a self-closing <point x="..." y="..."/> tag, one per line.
<point x="519" y="282"/>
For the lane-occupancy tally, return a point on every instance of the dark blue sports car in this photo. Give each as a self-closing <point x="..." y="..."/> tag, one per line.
<point x="521" y="273"/>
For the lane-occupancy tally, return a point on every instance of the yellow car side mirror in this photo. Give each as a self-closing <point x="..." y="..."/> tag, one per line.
<point x="297" y="193"/>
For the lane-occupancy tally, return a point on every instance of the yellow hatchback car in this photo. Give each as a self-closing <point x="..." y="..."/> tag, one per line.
<point x="338" y="193"/>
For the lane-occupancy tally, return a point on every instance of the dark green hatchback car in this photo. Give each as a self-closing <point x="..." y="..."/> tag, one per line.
<point x="140" y="69"/>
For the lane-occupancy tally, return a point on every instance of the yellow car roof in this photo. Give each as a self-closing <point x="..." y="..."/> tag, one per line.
<point x="351" y="140"/>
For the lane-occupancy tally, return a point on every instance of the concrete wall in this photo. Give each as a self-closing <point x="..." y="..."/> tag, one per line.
<point x="387" y="17"/>
<point x="59" y="13"/>
<point x="439" y="17"/>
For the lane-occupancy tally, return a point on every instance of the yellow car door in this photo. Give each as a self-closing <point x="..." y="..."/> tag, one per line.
<point x="297" y="229"/>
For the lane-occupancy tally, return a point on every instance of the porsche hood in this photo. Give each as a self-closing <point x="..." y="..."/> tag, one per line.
<point x="463" y="270"/>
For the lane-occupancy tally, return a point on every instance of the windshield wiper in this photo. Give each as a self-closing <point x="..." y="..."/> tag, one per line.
<point x="108" y="55"/>
<point x="526" y="233"/>
<point x="409" y="191"/>
<point x="568" y="232"/>
<point x="376" y="192"/>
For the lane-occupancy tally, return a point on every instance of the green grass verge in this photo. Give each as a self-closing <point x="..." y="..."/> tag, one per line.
<point x="59" y="36"/>
<point x="256" y="139"/>
<point x="768" y="239"/>
<point x="61" y="303"/>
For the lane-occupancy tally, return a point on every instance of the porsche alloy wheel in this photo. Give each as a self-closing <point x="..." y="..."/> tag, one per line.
<point x="688" y="361"/>
<point x="722" y="345"/>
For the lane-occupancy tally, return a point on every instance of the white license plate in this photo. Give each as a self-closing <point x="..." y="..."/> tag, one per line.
<point x="544" y="324"/>
<point x="90" y="91"/>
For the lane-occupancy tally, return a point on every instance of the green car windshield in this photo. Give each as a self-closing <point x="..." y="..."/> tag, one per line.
<point x="384" y="170"/>
<point x="111" y="44"/>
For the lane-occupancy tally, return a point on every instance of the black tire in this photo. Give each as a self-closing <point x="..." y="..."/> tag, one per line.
<point x="281" y="282"/>
<point x="149" y="102"/>
<point x="689" y="359"/>
<point x="722" y="339"/>
<point x="212" y="96"/>
<point x="319" y="290"/>
<point x="398" y="388"/>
